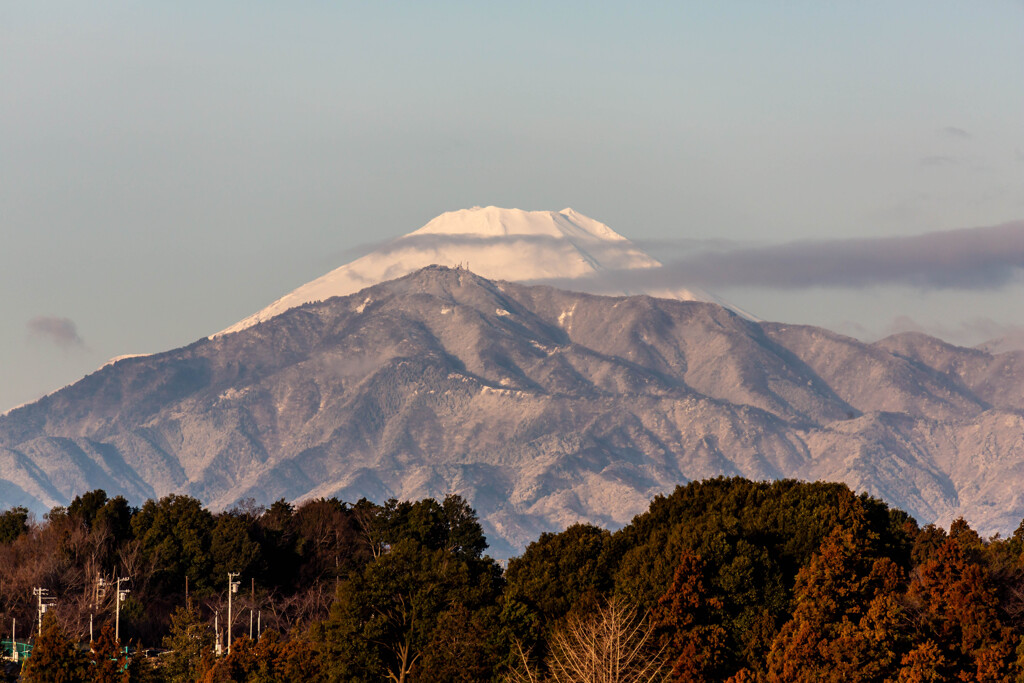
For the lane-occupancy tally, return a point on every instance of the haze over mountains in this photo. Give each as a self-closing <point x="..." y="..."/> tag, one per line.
<point x="540" y="406"/>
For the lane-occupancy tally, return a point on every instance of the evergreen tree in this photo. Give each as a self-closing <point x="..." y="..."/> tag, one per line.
<point x="55" y="657"/>
<point x="174" y="534"/>
<point x="190" y="642"/>
<point x="83" y="508"/>
<point x="407" y="605"/>
<point x="13" y="523"/>
<point x="559" y="571"/>
<point x="845" y="624"/>
<point x="111" y="664"/>
<point x="688" y="622"/>
<point x="232" y="547"/>
<point x="955" y="602"/>
<point x="266" y="660"/>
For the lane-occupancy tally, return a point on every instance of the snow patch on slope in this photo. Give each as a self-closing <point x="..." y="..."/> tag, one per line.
<point x="123" y="357"/>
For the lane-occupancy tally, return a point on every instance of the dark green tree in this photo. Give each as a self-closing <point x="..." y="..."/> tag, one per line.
<point x="111" y="527"/>
<point x="83" y="508"/>
<point x="424" y="600"/>
<point x="232" y="547"/>
<point x="559" y="571"/>
<point x="174" y="534"/>
<point x="190" y="645"/>
<point x="275" y="533"/>
<point x="327" y="540"/>
<point x="755" y="537"/>
<point x="558" y="574"/>
<point x="462" y="646"/>
<point x="13" y="523"/>
<point x="114" y="518"/>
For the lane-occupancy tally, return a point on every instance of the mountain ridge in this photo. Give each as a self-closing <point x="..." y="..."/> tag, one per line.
<point x="541" y="407"/>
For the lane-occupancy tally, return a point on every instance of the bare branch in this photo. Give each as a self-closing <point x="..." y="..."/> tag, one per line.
<point x="613" y="646"/>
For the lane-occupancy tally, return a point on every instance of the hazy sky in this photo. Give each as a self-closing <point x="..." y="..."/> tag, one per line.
<point x="168" y="168"/>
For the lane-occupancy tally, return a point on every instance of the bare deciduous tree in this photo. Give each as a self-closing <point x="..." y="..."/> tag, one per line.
<point x="522" y="672"/>
<point x="615" y="645"/>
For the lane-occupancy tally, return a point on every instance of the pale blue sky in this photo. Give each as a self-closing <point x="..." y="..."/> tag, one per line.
<point x="168" y="168"/>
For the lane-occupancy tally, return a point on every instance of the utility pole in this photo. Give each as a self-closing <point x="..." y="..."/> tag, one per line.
<point x="252" y="604"/>
<point x="43" y="601"/>
<point x="232" y="588"/>
<point x="122" y="593"/>
<point x="97" y="594"/>
<point x="216" y="632"/>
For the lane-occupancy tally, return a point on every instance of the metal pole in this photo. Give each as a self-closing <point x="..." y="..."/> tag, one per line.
<point x="40" y="593"/>
<point x="251" y="605"/>
<point x="117" y="613"/>
<point x="232" y="587"/>
<point x="97" y="589"/>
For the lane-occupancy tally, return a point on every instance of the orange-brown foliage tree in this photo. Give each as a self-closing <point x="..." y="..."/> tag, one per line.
<point x="687" y="620"/>
<point x="845" y="624"/>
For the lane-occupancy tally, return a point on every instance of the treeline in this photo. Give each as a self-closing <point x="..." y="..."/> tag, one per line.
<point x="723" y="580"/>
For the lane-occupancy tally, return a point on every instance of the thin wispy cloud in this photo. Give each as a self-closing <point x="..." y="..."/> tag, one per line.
<point x="56" y="330"/>
<point x="439" y="241"/>
<point x="970" y="258"/>
<point x="954" y="132"/>
<point x="434" y="241"/>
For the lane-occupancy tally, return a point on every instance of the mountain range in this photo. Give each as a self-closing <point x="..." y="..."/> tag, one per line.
<point x="542" y="407"/>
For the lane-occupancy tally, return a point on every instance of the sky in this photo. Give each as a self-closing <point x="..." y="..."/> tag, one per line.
<point x="167" y="169"/>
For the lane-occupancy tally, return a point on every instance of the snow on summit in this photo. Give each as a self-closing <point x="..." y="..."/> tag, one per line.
<point x="496" y="243"/>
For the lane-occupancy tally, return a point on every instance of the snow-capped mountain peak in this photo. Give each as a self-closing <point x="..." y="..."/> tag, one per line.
<point x="496" y="243"/>
<point x="492" y="221"/>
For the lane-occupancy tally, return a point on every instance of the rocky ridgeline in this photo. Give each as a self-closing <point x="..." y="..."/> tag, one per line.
<point x="541" y="407"/>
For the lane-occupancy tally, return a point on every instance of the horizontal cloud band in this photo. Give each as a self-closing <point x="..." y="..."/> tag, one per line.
<point x="970" y="258"/>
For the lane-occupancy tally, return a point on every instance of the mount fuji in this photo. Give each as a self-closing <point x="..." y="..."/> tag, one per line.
<point x="498" y="244"/>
